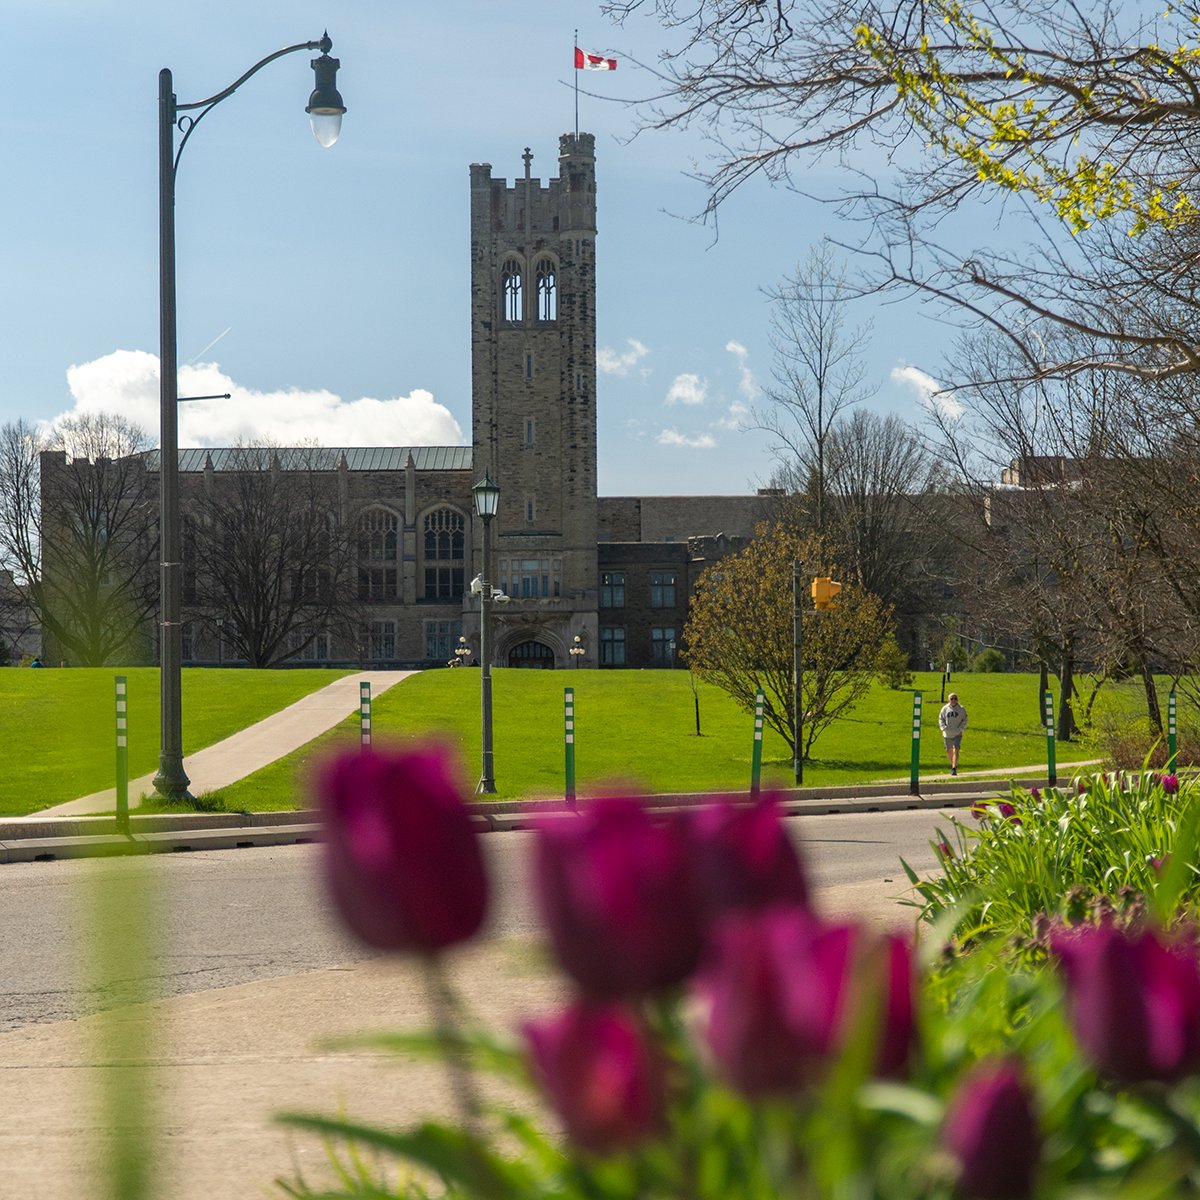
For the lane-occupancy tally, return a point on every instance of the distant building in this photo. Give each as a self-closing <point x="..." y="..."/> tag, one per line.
<point x="615" y="572"/>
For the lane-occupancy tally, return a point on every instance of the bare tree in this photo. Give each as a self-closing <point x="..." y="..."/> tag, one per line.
<point x="818" y="369"/>
<point x="269" y="553"/>
<point x="77" y="534"/>
<point x="1080" y="120"/>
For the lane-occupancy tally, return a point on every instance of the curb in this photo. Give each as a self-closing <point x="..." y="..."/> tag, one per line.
<point x="30" y="839"/>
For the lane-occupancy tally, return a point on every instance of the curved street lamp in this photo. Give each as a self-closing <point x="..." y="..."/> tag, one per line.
<point x="325" y="109"/>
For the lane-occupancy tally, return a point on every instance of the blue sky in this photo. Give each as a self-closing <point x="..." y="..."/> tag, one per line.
<point x="328" y="289"/>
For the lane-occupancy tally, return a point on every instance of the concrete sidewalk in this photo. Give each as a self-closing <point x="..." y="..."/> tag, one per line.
<point x="245" y="752"/>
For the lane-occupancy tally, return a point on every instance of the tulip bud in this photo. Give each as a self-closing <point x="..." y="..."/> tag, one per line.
<point x="780" y="985"/>
<point x="1170" y="784"/>
<point x="402" y="855"/>
<point x="992" y="1132"/>
<point x="602" y="1074"/>
<point x="745" y="859"/>
<point x="1134" y="1002"/>
<point x="617" y="896"/>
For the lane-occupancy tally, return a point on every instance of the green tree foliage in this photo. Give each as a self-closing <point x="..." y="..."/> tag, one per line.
<point x="739" y="634"/>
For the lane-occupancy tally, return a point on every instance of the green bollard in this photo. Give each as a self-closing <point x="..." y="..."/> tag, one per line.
<point x="756" y="753"/>
<point x="364" y="715"/>
<point x="122" y="755"/>
<point x="1172" y="746"/>
<point x="914" y="782"/>
<point x="569" y="742"/>
<point x="1051" y="771"/>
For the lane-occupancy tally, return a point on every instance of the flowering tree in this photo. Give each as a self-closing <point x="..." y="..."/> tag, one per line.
<point x="740" y="634"/>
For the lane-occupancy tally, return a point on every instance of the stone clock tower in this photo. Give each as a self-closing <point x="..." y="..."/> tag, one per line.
<point x="533" y="378"/>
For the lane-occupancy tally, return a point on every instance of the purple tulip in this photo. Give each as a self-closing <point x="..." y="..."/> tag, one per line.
<point x="402" y="855"/>
<point x="992" y="1131"/>
<point x="1170" y="784"/>
<point x="602" y="1074"/>
<point x="1006" y="810"/>
<point x="1134" y="1002"/>
<point x="617" y="897"/>
<point x="745" y="859"/>
<point x="779" y="986"/>
<point x="1035" y="794"/>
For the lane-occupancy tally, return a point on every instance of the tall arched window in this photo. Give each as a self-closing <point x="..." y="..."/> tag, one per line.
<point x="444" y="554"/>
<point x="378" y="543"/>
<point x="547" y="291"/>
<point x="511" y="292"/>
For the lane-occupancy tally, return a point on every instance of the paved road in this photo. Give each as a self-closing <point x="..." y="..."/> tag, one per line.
<point x="237" y="916"/>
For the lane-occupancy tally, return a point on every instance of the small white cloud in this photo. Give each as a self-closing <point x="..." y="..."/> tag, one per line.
<point x="930" y="393"/>
<point x="126" y="381"/>
<point x="609" y="362"/>
<point x="687" y="389"/>
<point x="672" y="437"/>
<point x="737" y="417"/>
<point x="747" y="384"/>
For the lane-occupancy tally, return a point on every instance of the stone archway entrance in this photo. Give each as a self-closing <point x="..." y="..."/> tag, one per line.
<point x="533" y="655"/>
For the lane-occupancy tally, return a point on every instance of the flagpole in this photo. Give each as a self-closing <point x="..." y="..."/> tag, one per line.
<point x="575" y="65"/>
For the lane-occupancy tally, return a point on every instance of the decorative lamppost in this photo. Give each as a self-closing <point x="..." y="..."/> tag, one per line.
<point x="325" y="108"/>
<point x="577" y="651"/>
<point x="462" y="652"/>
<point x="487" y="501"/>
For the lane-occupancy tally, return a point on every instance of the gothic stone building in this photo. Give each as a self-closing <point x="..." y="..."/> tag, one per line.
<point x="615" y="572"/>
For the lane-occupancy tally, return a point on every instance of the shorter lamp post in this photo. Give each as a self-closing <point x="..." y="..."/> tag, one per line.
<point x="577" y="651"/>
<point x="487" y="501"/>
<point x="462" y="652"/>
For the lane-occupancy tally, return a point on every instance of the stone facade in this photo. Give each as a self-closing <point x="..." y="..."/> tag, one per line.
<point x="554" y="543"/>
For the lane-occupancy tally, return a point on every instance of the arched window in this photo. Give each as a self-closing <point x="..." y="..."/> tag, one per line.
<point x="378" y="542"/>
<point x="547" y="291"/>
<point x="444" y="554"/>
<point x="511" y="292"/>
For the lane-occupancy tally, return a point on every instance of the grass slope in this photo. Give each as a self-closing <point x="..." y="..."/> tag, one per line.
<point x="57" y="727"/>
<point x="639" y="726"/>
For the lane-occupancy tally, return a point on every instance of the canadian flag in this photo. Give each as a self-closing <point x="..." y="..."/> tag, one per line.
<point x="593" y="62"/>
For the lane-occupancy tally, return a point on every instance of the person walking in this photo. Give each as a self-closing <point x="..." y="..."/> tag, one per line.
<point x="952" y="720"/>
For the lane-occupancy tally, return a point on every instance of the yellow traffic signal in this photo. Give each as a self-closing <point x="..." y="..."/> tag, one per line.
<point x="824" y="590"/>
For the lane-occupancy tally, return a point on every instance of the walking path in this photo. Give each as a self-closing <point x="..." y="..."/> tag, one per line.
<point x="248" y="751"/>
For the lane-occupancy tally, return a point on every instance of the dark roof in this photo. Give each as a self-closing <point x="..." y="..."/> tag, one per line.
<point x="324" y="458"/>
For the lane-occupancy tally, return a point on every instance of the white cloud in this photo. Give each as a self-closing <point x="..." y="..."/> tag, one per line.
<point x="126" y="382"/>
<point x="747" y="384"/>
<point x="672" y="437"/>
<point x="609" y="362"/>
<point x="738" y="417"/>
<point x="930" y="393"/>
<point x="687" y="389"/>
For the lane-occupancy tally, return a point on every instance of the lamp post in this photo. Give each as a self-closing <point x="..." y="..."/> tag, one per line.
<point x="325" y="108"/>
<point x="462" y="652"/>
<point x="487" y="501"/>
<point x="577" y="651"/>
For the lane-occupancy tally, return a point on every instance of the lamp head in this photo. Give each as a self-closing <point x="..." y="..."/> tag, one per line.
<point x="325" y="107"/>
<point x="487" y="498"/>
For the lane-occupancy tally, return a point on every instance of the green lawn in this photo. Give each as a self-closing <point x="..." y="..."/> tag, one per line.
<point x="57" y="726"/>
<point x="639" y="727"/>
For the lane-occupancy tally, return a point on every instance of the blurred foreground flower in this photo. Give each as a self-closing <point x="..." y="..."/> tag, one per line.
<point x="1134" y="1002"/>
<point x="992" y="1132"/>
<point x="402" y="856"/>
<point x="602" y="1073"/>
<point x="782" y="988"/>
<point x="617" y="895"/>
<point x="745" y="859"/>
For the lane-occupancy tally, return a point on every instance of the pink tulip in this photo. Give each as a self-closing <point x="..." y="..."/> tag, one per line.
<point x="1170" y="784"/>
<point x="992" y="1131"/>
<point x="780" y="988"/>
<point x="602" y="1074"/>
<point x="1134" y="1002"/>
<point x="745" y="859"/>
<point x="402" y="855"/>
<point x="618" y="899"/>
